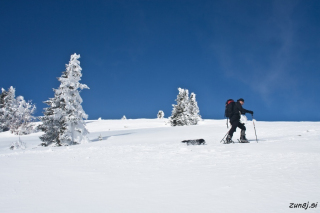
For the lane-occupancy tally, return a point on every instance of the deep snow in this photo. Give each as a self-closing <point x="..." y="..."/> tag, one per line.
<point x="142" y="166"/>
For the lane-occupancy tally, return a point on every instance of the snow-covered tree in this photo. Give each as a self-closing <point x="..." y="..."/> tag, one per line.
<point x="160" y="114"/>
<point x="22" y="117"/>
<point x="194" y="110"/>
<point x="180" y="114"/>
<point x="7" y="108"/>
<point x="53" y="123"/>
<point x="21" y="120"/>
<point x="186" y="112"/>
<point x="63" y="120"/>
<point x="2" y="110"/>
<point x="16" y="113"/>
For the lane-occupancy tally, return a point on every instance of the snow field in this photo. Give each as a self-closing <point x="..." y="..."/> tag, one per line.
<point x="142" y="166"/>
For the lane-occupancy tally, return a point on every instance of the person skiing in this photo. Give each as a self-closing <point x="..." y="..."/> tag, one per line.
<point x="235" y="121"/>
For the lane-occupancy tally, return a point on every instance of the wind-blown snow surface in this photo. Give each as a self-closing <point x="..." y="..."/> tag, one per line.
<point x="142" y="166"/>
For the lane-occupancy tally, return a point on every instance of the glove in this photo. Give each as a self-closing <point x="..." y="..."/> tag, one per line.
<point x="251" y="112"/>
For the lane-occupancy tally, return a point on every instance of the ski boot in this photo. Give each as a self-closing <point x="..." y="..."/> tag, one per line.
<point x="243" y="138"/>
<point x="228" y="140"/>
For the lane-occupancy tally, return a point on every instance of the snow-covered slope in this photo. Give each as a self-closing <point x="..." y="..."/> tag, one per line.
<point x="142" y="166"/>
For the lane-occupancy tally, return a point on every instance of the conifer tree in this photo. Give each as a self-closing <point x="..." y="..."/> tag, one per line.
<point x="186" y="112"/>
<point x="7" y="108"/>
<point x="52" y="123"/>
<point x="194" y="110"/>
<point x="180" y="114"/>
<point x="2" y="110"/>
<point x="63" y="120"/>
<point x="22" y="117"/>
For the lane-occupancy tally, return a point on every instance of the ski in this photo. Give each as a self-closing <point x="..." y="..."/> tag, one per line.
<point x="243" y="141"/>
<point x="226" y="142"/>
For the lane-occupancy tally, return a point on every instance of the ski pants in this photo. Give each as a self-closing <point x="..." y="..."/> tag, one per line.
<point x="234" y="126"/>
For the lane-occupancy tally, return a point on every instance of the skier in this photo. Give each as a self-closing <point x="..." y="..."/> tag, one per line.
<point x="235" y="121"/>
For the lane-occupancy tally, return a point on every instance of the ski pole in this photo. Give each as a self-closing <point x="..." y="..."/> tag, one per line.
<point x="255" y="132"/>
<point x="224" y="136"/>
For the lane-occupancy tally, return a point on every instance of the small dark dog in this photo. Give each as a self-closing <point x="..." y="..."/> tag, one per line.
<point x="195" y="142"/>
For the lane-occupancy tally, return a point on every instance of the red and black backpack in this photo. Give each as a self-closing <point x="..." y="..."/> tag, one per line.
<point x="229" y="109"/>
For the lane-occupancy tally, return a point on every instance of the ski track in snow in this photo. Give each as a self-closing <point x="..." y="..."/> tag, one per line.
<point x="142" y="166"/>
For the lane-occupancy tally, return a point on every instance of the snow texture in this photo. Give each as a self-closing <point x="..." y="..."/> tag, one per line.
<point x="145" y="168"/>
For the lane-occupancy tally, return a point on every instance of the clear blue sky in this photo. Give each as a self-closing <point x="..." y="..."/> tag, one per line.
<point x="135" y="54"/>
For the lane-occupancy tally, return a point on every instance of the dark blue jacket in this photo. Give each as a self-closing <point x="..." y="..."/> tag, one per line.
<point x="237" y="110"/>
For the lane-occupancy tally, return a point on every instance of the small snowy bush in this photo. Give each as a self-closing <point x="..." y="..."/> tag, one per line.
<point x="160" y="114"/>
<point x="18" y="145"/>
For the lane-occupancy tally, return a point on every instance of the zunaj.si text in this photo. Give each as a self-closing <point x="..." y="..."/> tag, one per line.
<point x="303" y="205"/>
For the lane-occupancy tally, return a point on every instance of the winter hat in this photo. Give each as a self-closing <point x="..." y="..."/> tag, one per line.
<point x="241" y="99"/>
